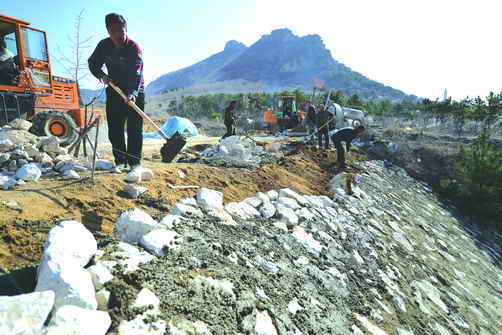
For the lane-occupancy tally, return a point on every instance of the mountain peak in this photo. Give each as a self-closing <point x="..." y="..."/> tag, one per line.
<point x="281" y="32"/>
<point x="234" y="45"/>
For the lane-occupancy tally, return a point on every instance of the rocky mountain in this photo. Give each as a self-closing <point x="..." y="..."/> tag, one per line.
<point x="277" y="61"/>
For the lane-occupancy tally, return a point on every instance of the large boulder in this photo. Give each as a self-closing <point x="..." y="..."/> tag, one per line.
<point x="210" y="199"/>
<point x="159" y="241"/>
<point x="74" y="320"/>
<point x="71" y="283"/>
<point x="25" y="313"/>
<point x="29" y="172"/>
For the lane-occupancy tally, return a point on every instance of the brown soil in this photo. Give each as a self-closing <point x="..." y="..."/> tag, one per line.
<point x="23" y="228"/>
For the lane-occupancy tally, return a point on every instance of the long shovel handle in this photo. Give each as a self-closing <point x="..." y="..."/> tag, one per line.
<point x="137" y="109"/>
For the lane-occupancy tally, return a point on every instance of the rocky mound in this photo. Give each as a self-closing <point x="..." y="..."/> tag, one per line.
<point x="381" y="256"/>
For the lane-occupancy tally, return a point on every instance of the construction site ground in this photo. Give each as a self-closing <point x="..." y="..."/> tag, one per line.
<point x="28" y="212"/>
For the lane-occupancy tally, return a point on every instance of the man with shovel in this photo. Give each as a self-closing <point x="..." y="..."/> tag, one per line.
<point x="124" y="64"/>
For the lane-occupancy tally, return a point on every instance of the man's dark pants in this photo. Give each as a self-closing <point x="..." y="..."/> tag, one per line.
<point x="323" y="133"/>
<point x="340" y="153"/>
<point x="230" y="130"/>
<point x="117" y="113"/>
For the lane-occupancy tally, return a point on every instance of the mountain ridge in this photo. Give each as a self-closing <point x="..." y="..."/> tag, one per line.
<point x="277" y="61"/>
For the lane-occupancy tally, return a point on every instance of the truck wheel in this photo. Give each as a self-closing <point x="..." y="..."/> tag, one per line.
<point x="53" y="123"/>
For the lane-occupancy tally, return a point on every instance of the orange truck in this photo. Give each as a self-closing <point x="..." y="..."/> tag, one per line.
<point x="286" y="117"/>
<point x="29" y="89"/>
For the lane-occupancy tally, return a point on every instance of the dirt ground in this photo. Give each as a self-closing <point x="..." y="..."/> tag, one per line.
<point x="28" y="212"/>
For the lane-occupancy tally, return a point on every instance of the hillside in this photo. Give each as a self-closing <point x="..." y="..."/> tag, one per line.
<point x="277" y="61"/>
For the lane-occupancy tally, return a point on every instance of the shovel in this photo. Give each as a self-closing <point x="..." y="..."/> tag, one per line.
<point x="164" y="151"/>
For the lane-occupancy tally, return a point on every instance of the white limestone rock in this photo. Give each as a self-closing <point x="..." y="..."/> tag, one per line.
<point x="304" y="214"/>
<point x="281" y="225"/>
<point x="49" y="144"/>
<point x="133" y="224"/>
<point x="209" y="199"/>
<point x="189" y="201"/>
<point x="74" y="320"/>
<point x="25" y="313"/>
<point x="129" y="257"/>
<point x="253" y="201"/>
<point x="71" y="284"/>
<point x="288" y="202"/>
<point x="241" y="210"/>
<point x="159" y="241"/>
<point x="69" y="242"/>
<point x="170" y="220"/>
<point x="287" y="214"/>
<point x="224" y="287"/>
<point x="338" y="181"/>
<point x="104" y="165"/>
<point x="222" y="216"/>
<point x="138" y="326"/>
<point x="139" y="174"/>
<point x="6" y="145"/>
<point x="100" y="275"/>
<point x="307" y="240"/>
<point x="182" y="326"/>
<point x="264" y="324"/>
<point x="185" y="210"/>
<point x="146" y="298"/>
<point x="134" y="191"/>
<point x="272" y="195"/>
<point x="20" y="124"/>
<point x="29" y="172"/>
<point x="267" y="210"/>
<point x="288" y="193"/>
<point x="263" y="197"/>
<point x="71" y="174"/>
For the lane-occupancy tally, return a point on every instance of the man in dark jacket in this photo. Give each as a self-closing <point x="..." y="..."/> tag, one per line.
<point x="322" y="121"/>
<point x="346" y="135"/>
<point x="124" y="64"/>
<point x="230" y="119"/>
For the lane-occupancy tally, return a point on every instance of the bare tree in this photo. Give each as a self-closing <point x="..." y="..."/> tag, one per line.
<point x="75" y="63"/>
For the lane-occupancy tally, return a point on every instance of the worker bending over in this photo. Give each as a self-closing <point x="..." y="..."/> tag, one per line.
<point x="346" y="135"/>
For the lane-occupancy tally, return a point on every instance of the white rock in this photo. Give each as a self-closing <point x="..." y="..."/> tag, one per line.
<point x="305" y="214"/>
<point x="372" y="329"/>
<point x="288" y="202"/>
<point x="63" y="158"/>
<point x="288" y="193"/>
<point x="209" y="199"/>
<point x="74" y="320"/>
<point x="287" y="214"/>
<point x="241" y="210"/>
<point x="264" y="324"/>
<point x="249" y="210"/>
<point x="327" y="202"/>
<point x="158" y="241"/>
<point x="69" y="242"/>
<point x="6" y="145"/>
<point x="20" y="124"/>
<point x="338" y="181"/>
<point x="189" y="201"/>
<point x="7" y="182"/>
<point x="147" y="298"/>
<point x="25" y="313"/>
<point x="223" y="216"/>
<point x="272" y="194"/>
<point x="185" y="210"/>
<point x="32" y="151"/>
<point x="263" y="197"/>
<point x="294" y="306"/>
<point x="29" y="172"/>
<point x="357" y="258"/>
<point x="71" y="283"/>
<point x="49" y="144"/>
<point x="133" y="224"/>
<point x="71" y="174"/>
<point x="170" y="220"/>
<point x="103" y="297"/>
<point x="104" y="165"/>
<point x="100" y="275"/>
<point x="138" y="326"/>
<point x="146" y="174"/>
<point x="307" y="240"/>
<point x="134" y="191"/>
<point x="129" y="257"/>
<point x="44" y="158"/>
<point x="182" y="326"/>
<point x="225" y="287"/>
<point x="253" y="201"/>
<point x="267" y="210"/>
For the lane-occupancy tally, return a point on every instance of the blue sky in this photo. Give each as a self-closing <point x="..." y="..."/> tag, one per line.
<point x="420" y="47"/>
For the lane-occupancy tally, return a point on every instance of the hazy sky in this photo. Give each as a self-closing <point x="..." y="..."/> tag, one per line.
<point x="420" y="47"/>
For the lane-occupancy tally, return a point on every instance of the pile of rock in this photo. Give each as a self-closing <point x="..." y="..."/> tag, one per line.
<point x="238" y="151"/>
<point x="25" y="157"/>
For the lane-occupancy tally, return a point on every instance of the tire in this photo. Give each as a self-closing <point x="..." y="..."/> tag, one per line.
<point x="53" y="123"/>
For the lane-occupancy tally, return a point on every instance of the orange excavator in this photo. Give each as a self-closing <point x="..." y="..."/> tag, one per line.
<point x="29" y="89"/>
<point x="285" y="117"/>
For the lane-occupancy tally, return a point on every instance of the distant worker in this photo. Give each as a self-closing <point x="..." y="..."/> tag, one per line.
<point x="346" y="135"/>
<point x="310" y="120"/>
<point x="5" y="54"/>
<point x="124" y="63"/>
<point x="230" y="119"/>
<point x="322" y="121"/>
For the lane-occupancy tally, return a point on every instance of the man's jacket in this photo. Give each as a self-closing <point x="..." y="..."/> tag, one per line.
<point x="229" y="115"/>
<point x="346" y="135"/>
<point x="124" y="65"/>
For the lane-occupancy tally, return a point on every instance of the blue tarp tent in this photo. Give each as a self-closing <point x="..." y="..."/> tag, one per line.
<point x="175" y="124"/>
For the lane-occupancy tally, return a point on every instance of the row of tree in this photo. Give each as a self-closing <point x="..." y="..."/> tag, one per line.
<point x="482" y="112"/>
